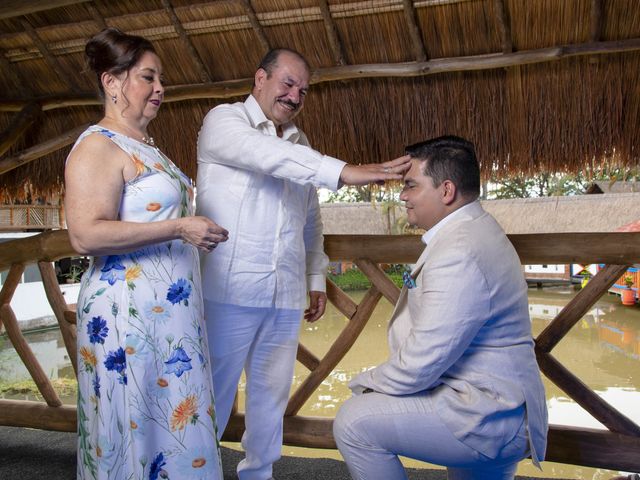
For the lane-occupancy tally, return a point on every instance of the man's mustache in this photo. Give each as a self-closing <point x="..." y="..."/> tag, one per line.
<point x="294" y="105"/>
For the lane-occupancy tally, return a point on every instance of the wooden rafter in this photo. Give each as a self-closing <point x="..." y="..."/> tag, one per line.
<point x="42" y="149"/>
<point x="332" y="34"/>
<point x="95" y="14"/>
<point x="504" y="25"/>
<point x="46" y="54"/>
<point x="27" y="116"/>
<point x="234" y="88"/>
<point x="17" y="8"/>
<point x="419" y="50"/>
<point x="14" y="73"/>
<point x="255" y="24"/>
<point x="186" y="41"/>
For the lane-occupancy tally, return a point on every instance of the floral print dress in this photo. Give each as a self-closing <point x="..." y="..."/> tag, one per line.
<point x="145" y="400"/>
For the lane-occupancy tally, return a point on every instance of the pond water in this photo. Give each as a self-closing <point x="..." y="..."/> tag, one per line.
<point x="603" y="350"/>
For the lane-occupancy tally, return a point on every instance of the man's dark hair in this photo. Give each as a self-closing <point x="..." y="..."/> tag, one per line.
<point x="449" y="158"/>
<point x="270" y="60"/>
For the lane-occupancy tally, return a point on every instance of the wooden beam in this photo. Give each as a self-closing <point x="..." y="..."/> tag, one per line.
<point x="48" y="57"/>
<point x="614" y="248"/>
<point x="307" y="358"/>
<point x="578" y="306"/>
<point x="341" y="300"/>
<point x="21" y="346"/>
<point x="27" y="116"/>
<point x="186" y="41"/>
<point x="255" y="24"/>
<point x="235" y="88"/>
<point x="336" y="352"/>
<point x="50" y="246"/>
<point x="28" y="414"/>
<point x="504" y="25"/>
<point x="593" y="448"/>
<point x="419" y="50"/>
<point x="60" y="308"/>
<point x="99" y="19"/>
<point x="14" y="74"/>
<point x="332" y="34"/>
<point x="585" y="397"/>
<point x="17" y="8"/>
<point x="379" y="279"/>
<point x="573" y="445"/>
<point x="595" y="31"/>
<point x="40" y="150"/>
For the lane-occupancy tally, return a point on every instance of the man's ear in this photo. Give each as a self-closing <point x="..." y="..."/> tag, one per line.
<point x="449" y="192"/>
<point x="260" y="77"/>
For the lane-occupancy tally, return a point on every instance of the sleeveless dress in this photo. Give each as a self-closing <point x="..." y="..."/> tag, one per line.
<point x="145" y="399"/>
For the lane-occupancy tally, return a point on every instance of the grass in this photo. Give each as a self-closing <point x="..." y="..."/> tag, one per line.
<point x="65" y="387"/>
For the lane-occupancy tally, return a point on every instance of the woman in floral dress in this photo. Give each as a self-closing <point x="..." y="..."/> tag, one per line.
<point x="145" y="401"/>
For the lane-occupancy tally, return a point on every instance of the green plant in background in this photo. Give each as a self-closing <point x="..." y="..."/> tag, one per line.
<point x="354" y="279"/>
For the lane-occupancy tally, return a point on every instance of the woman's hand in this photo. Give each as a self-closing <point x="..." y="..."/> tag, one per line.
<point x="375" y="172"/>
<point x="202" y="232"/>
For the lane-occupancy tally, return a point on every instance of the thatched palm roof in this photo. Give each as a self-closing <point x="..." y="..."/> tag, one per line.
<point x="539" y="85"/>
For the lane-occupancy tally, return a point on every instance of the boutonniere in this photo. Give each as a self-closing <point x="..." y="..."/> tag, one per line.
<point x="408" y="280"/>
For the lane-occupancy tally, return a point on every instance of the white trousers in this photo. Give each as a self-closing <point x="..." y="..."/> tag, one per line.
<point x="264" y="342"/>
<point x="372" y="429"/>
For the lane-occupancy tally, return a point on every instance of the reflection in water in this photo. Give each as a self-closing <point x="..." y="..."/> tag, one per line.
<point x="603" y="350"/>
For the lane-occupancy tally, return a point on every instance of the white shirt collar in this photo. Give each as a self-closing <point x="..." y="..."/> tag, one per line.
<point x="258" y="118"/>
<point x="429" y="234"/>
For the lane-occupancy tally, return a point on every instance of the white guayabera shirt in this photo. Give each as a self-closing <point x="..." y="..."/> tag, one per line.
<point x="262" y="189"/>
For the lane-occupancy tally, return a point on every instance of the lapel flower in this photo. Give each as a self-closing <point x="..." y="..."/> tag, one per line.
<point x="408" y="280"/>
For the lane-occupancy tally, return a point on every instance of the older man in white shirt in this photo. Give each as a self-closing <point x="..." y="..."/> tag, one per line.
<point x="257" y="177"/>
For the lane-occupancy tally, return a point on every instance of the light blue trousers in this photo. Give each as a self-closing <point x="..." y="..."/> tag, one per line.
<point x="264" y="342"/>
<point x="372" y="429"/>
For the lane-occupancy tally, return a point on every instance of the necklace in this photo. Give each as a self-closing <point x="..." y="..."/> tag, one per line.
<point x="149" y="141"/>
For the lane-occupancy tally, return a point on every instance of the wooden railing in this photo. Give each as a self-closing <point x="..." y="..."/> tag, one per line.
<point x="618" y="447"/>
<point x="24" y="217"/>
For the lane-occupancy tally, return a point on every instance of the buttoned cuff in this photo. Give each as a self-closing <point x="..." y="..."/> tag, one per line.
<point x="316" y="283"/>
<point x="329" y="172"/>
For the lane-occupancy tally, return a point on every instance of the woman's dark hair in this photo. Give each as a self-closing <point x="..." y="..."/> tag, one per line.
<point x="115" y="52"/>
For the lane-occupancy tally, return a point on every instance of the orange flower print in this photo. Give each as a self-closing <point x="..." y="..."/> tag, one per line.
<point x="159" y="166"/>
<point x="132" y="273"/>
<point x="190" y="190"/>
<point x="185" y="412"/>
<point x="139" y="164"/>
<point x="153" y="206"/>
<point x="89" y="358"/>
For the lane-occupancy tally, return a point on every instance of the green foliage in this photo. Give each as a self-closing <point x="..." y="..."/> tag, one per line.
<point x="354" y="279"/>
<point x="558" y="184"/>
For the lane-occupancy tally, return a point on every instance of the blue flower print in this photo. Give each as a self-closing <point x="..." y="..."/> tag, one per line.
<point x="96" y="385"/>
<point x="178" y="363"/>
<point x="97" y="329"/>
<point x="117" y="361"/>
<point x="107" y="133"/>
<point x="179" y="292"/>
<point x="156" y="466"/>
<point x="113" y="270"/>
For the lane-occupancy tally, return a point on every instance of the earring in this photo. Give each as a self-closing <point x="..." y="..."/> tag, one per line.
<point x="114" y="98"/>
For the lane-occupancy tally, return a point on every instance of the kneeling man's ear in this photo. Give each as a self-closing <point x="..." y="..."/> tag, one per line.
<point x="449" y="191"/>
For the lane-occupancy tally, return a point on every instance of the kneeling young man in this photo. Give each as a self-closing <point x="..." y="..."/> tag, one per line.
<point x="461" y="387"/>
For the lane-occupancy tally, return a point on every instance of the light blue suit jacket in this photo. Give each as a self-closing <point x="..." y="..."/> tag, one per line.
<point x="462" y="336"/>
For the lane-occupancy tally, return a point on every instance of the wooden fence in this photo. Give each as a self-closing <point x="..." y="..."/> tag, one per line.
<point x="617" y="447"/>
